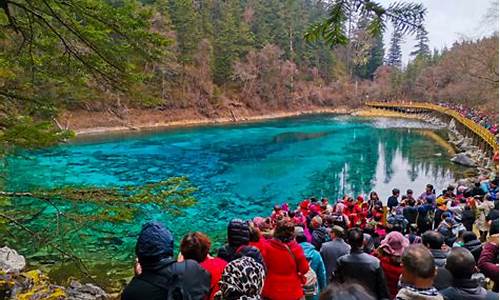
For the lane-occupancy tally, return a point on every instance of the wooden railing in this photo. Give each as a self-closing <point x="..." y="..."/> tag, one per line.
<point x="477" y="129"/>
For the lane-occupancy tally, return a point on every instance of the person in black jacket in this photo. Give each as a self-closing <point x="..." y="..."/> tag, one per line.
<point x="468" y="217"/>
<point x="434" y="241"/>
<point x="158" y="275"/>
<point x="238" y="236"/>
<point x="472" y="244"/>
<point x="362" y="268"/>
<point x="461" y="264"/>
<point x="393" y="201"/>
<point x="410" y="211"/>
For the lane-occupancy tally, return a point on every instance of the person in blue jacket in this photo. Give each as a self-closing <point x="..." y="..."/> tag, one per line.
<point x="314" y="258"/>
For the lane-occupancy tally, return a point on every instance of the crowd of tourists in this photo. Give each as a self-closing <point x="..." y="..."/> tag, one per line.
<point x="426" y="245"/>
<point x="488" y="121"/>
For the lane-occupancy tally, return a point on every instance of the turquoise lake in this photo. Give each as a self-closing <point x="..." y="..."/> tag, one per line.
<point x="239" y="170"/>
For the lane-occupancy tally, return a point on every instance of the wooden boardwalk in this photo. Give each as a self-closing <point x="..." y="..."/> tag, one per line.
<point x="477" y="129"/>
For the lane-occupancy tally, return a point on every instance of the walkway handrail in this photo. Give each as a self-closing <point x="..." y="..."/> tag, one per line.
<point x="479" y="130"/>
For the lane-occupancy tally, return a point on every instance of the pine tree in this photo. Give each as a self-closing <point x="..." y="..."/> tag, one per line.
<point x="422" y="47"/>
<point x="376" y="56"/>
<point x="232" y="40"/>
<point x="185" y="20"/>
<point x="394" y="57"/>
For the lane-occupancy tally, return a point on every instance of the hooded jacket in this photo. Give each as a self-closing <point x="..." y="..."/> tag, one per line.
<point x="284" y="262"/>
<point x="316" y="263"/>
<point x="161" y="274"/>
<point x="467" y="289"/>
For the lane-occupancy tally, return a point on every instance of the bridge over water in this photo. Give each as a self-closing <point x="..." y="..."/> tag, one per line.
<point x="481" y="136"/>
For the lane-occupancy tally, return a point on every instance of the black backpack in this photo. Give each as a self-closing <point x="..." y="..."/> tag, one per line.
<point x="167" y="281"/>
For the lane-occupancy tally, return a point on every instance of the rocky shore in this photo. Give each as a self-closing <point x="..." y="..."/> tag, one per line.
<point x="18" y="283"/>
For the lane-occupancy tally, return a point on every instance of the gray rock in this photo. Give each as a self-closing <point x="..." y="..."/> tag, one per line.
<point x="463" y="159"/>
<point x="10" y="261"/>
<point x="78" y="291"/>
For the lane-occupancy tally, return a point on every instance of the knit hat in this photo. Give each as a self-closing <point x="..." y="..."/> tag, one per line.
<point x="155" y="242"/>
<point x="242" y="279"/>
<point x="394" y="243"/>
<point x="238" y="233"/>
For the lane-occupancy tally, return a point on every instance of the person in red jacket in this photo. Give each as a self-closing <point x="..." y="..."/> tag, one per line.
<point x="390" y="252"/>
<point x="196" y="246"/>
<point x="286" y="265"/>
<point x="353" y="212"/>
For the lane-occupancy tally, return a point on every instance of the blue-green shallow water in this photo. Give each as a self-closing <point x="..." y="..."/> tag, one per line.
<point x="240" y="170"/>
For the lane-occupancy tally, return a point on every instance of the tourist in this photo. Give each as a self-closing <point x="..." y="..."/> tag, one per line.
<point x="390" y="252"/>
<point x="353" y="212"/>
<point x="315" y="262"/>
<point x="286" y="264"/>
<point x="473" y="244"/>
<point x="361" y="268"/>
<point x="477" y="190"/>
<point x="373" y="200"/>
<point x="318" y="232"/>
<point x="483" y="207"/>
<point x="256" y="239"/>
<point x="441" y="208"/>
<point x="434" y="242"/>
<point x="428" y="194"/>
<point x="412" y="235"/>
<point x="425" y="216"/>
<point x="332" y="250"/>
<point x="195" y="246"/>
<point x="160" y="274"/>
<point x="347" y="291"/>
<point x="238" y="235"/>
<point x="393" y="201"/>
<point x="493" y="189"/>
<point x="488" y="261"/>
<point x="242" y="279"/>
<point x="493" y="214"/>
<point x="418" y="275"/>
<point x="410" y="211"/>
<point x="339" y="217"/>
<point x="461" y="264"/>
<point x="468" y="217"/>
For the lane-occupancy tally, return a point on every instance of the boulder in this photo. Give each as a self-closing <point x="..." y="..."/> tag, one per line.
<point x="78" y="291"/>
<point x="11" y="261"/>
<point x="464" y="160"/>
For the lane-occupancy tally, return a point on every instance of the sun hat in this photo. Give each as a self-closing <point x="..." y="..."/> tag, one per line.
<point x="394" y="243"/>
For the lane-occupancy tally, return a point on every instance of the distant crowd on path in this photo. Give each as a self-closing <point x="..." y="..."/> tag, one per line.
<point x="433" y="246"/>
<point x="486" y="120"/>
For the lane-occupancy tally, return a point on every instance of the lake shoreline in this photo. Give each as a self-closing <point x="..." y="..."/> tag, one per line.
<point x="102" y="131"/>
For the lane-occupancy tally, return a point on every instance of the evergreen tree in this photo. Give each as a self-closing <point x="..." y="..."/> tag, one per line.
<point x="422" y="47"/>
<point x="394" y="57"/>
<point x="185" y="20"/>
<point x="376" y="56"/>
<point x="232" y="40"/>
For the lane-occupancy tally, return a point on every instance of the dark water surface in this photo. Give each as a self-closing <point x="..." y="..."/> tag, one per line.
<point x="240" y="171"/>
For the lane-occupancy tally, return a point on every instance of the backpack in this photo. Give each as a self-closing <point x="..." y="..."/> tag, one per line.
<point x="167" y="281"/>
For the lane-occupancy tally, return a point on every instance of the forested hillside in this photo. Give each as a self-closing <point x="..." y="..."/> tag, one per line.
<point x="97" y="63"/>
